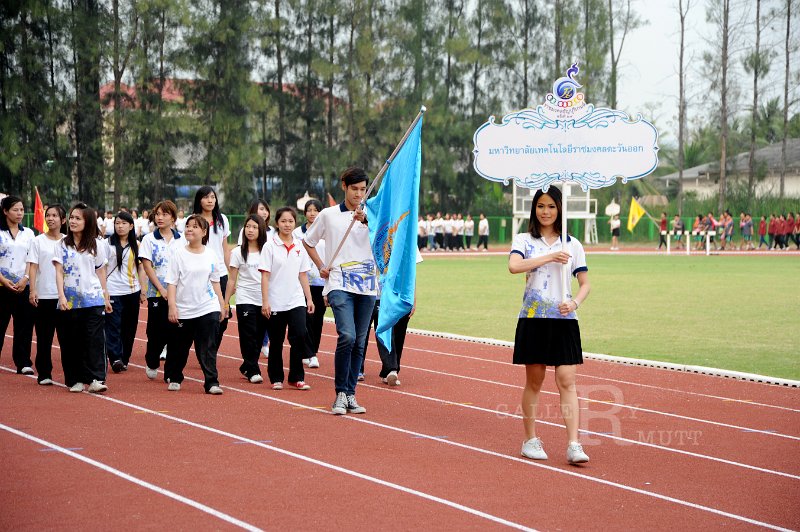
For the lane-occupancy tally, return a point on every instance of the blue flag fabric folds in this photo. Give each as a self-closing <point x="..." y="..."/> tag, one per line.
<point x="392" y="216"/>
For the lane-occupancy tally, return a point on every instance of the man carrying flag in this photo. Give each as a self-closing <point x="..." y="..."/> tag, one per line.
<point x="350" y="288"/>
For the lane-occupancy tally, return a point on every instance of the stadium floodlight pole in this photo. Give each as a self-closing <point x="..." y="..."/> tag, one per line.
<point x="377" y="178"/>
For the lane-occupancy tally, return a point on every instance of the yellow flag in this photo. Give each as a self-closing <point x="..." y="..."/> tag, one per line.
<point x="635" y="214"/>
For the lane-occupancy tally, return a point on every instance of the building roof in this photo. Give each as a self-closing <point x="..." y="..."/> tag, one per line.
<point x="768" y="155"/>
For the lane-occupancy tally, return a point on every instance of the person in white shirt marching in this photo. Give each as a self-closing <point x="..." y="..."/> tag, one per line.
<point x="80" y="265"/>
<point x="483" y="233"/>
<point x="180" y="222"/>
<point x="547" y="329"/>
<point x="15" y="241"/>
<point x="144" y="224"/>
<point x="125" y="289"/>
<point x="469" y="230"/>
<point x="351" y="283"/>
<point x="207" y="205"/>
<point x="315" y="321"/>
<point x="286" y="300"/>
<point x="245" y="282"/>
<point x="155" y="253"/>
<point x="44" y="292"/>
<point x="196" y="307"/>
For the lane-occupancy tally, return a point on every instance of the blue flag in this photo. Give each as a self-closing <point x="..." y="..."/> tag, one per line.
<point x="392" y="215"/>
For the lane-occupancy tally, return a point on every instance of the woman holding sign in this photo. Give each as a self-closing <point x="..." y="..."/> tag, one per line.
<point x="547" y="329"/>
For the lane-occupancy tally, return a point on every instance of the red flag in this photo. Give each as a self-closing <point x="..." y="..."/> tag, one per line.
<point x="331" y="201"/>
<point x="38" y="214"/>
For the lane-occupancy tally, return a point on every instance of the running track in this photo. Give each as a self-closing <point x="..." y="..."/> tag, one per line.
<point x="668" y="450"/>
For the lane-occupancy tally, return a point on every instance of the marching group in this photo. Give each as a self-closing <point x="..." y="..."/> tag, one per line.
<point x="87" y="290"/>
<point x="451" y="232"/>
<point x="775" y="232"/>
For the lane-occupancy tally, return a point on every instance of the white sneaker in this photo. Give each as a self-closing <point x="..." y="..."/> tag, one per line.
<point x="215" y="390"/>
<point x="77" y="387"/>
<point x="340" y="405"/>
<point x="575" y="454"/>
<point x="306" y="361"/>
<point x="533" y="449"/>
<point x="386" y="381"/>
<point x="45" y="382"/>
<point x="163" y="355"/>
<point x="265" y="351"/>
<point x="174" y="387"/>
<point x="151" y="373"/>
<point x="313" y="362"/>
<point x="256" y="379"/>
<point x="97" y="387"/>
<point x="391" y="379"/>
<point x="353" y="407"/>
<point x="27" y="370"/>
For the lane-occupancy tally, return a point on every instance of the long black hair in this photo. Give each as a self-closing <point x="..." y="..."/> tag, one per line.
<point x="88" y="235"/>
<point x="7" y="203"/>
<point x="216" y="214"/>
<point x="253" y="209"/>
<point x="62" y="214"/>
<point x="261" y="239"/>
<point x="132" y="242"/>
<point x="534" y="228"/>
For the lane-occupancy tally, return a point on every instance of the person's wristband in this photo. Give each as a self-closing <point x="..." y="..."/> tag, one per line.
<point x="28" y="277"/>
<point x="576" y="304"/>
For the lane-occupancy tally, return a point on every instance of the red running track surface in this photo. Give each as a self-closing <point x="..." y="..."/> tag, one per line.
<point x="668" y="450"/>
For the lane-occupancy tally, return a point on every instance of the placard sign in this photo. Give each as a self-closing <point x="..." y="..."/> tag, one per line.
<point x="565" y="139"/>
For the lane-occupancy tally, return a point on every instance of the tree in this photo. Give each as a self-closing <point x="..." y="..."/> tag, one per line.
<point x="681" y="101"/>
<point x="630" y="21"/>
<point x="785" y="96"/>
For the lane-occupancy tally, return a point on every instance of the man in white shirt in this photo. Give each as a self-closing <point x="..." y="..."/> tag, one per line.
<point x="351" y="282"/>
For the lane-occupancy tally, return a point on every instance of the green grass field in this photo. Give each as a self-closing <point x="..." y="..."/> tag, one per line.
<point x="737" y="313"/>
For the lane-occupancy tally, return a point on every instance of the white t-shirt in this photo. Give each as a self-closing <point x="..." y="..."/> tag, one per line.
<point x="438" y="225"/>
<point x="448" y="226"/>
<point x="155" y="249"/>
<point x="248" y="282"/>
<point x="180" y="224"/>
<point x="101" y="225"/>
<point x="285" y="264"/>
<point x="421" y="228"/>
<point x="121" y="279"/>
<point x="469" y="227"/>
<point x="109" y="225"/>
<point x="82" y="286"/>
<point x="543" y="292"/>
<point x="217" y="239"/>
<point x="615" y="223"/>
<point x="41" y="253"/>
<point x="14" y="253"/>
<point x="483" y="227"/>
<point x="459" y="225"/>
<point x="314" y="278"/>
<point x="354" y="268"/>
<point x="192" y="275"/>
<point x="143" y="227"/>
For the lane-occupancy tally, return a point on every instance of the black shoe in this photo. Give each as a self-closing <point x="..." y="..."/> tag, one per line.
<point x="117" y="366"/>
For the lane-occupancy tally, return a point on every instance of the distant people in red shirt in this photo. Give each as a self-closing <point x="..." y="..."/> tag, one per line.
<point x="662" y="236"/>
<point x="772" y="229"/>
<point x="762" y="232"/>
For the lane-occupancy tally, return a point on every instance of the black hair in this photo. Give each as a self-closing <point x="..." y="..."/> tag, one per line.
<point x="202" y="222"/>
<point x="62" y="214"/>
<point x="282" y="210"/>
<point x="261" y="239"/>
<point x="132" y="242"/>
<point x="7" y="203"/>
<point x="253" y="209"/>
<point x="88" y="235"/>
<point x="312" y="203"/>
<point x="216" y="214"/>
<point x="353" y="175"/>
<point x="533" y="223"/>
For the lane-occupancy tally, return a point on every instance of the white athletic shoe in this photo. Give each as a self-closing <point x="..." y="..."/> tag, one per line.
<point x="533" y="449"/>
<point x="151" y="373"/>
<point x="174" y="387"/>
<point x="215" y="390"/>
<point x="340" y="405"/>
<point x="575" y="454"/>
<point x="77" y="387"/>
<point x="97" y="387"/>
<point x="306" y="361"/>
<point x="45" y="382"/>
<point x="256" y="379"/>
<point x="27" y="370"/>
<point x="313" y="362"/>
<point x="391" y="379"/>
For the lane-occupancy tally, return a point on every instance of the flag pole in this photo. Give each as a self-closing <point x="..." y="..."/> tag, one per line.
<point x="377" y="178"/>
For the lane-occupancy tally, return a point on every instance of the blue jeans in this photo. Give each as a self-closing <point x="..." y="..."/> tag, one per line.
<point x="352" y="313"/>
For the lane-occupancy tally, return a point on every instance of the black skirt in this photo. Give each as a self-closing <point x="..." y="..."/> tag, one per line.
<point x="549" y="341"/>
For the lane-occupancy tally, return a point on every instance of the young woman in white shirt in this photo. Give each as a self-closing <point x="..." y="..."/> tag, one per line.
<point x="195" y="307"/>
<point x="314" y="321"/>
<point x="155" y="254"/>
<point x="547" y="329"/>
<point x="125" y="290"/>
<point x="286" y="300"/>
<point x="207" y="205"/>
<point x="15" y="241"/>
<point x="44" y="292"/>
<point x="80" y="265"/>
<point x="469" y="230"/>
<point x="261" y="208"/>
<point x="245" y="282"/>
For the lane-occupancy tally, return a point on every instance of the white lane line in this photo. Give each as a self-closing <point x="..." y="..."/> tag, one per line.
<point x="130" y="478"/>
<point x="495" y="454"/>
<point x="327" y="465"/>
